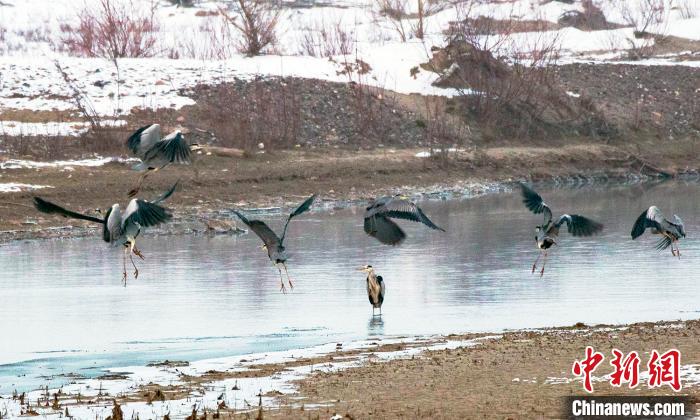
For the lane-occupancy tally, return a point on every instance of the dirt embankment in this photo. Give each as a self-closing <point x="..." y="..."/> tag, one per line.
<point x="524" y="374"/>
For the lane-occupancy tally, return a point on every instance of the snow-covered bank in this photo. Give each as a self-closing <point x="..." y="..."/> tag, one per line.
<point x="239" y="391"/>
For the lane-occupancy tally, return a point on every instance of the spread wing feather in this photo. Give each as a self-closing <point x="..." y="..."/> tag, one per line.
<point x="400" y="209"/>
<point x="172" y="149"/>
<point x="134" y="140"/>
<point x="385" y="230"/>
<point x="535" y="203"/>
<point x="51" y="208"/>
<point x="263" y="231"/>
<point x="145" y="213"/>
<point x="650" y="218"/>
<point x="579" y="225"/>
<point x="303" y="207"/>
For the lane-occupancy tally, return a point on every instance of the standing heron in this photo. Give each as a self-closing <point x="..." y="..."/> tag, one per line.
<point x="273" y="244"/>
<point x="547" y="233"/>
<point x="671" y="231"/>
<point x="120" y="228"/>
<point x="380" y="211"/>
<point x="156" y="153"/>
<point x="375" y="288"/>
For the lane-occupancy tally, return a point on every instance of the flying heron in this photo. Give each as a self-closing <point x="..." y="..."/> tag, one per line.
<point x="547" y="233"/>
<point x="375" y="288"/>
<point x="380" y="211"/>
<point x="156" y="153"/>
<point x="273" y="244"/>
<point x="120" y="228"/>
<point x="670" y="231"/>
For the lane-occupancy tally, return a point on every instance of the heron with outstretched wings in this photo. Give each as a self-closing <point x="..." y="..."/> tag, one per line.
<point x="654" y="220"/>
<point x="380" y="211"/>
<point x="273" y="244"/>
<point x="547" y="233"/>
<point x="120" y="227"/>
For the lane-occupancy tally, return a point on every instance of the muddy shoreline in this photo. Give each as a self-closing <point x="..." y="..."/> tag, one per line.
<point x="510" y="374"/>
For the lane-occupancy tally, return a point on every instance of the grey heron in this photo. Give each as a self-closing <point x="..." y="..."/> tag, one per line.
<point x="671" y="231"/>
<point x="155" y="152"/>
<point x="120" y="228"/>
<point x="380" y="211"/>
<point x="546" y="234"/>
<point x="376" y="289"/>
<point x="273" y="244"/>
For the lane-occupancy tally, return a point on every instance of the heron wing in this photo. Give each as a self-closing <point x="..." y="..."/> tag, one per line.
<point x="172" y="149"/>
<point x="663" y="243"/>
<point x="535" y="203"/>
<point x="143" y="138"/>
<point x="51" y="208"/>
<point x="167" y="194"/>
<point x="113" y="226"/>
<point x="263" y="231"/>
<point x="402" y="209"/>
<point x="382" y="289"/>
<point x="385" y="230"/>
<point x="579" y="225"/>
<point x="145" y="213"/>
<point x="302" y="208"/>
<point x="651" y="217"/>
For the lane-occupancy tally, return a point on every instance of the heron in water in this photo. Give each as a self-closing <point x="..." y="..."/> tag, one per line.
<point x="156" y="153"/>
<point x="120" y="228"/>
<point x="546" y="234"/>
<point x="376" y="290"/>
<point x="273" y="244"/>
<point x="670" y="231"/>
<point x="380" y="211"/>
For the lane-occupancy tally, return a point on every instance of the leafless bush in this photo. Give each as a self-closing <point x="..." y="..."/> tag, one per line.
<point x="441" y="133"/>
<point x="686" y="8"/>
<point x="327" y="40"/>
<point x="650" y="14"/>
<point x="402" y="19"/>
<point x="505" y="85"/>
<point x="256" y="21"/>
<point x="261" y="111"/>
<point x="112" y="29"/>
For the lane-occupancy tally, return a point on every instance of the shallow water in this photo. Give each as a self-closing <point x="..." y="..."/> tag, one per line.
<point x="63" y="309"/>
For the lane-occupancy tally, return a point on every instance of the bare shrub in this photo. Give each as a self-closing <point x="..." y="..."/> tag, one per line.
<point x="686" y="8"/>
<point x="243" y="115"/>
<point x="256" y="21"/>
<point x="112" y="29"/>
<point x="327" y="40"/>
<point x="403" y="19"/>
<point x="507" y="84"/>
<point x="442" y="135"/>
<point x="650" y="14"/>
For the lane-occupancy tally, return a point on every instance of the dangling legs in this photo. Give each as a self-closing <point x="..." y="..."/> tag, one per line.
<point x="126" y="249"/>
<point x="131" y="257"/>
<point x="544" y="262"/>
<point x="143" y="176"/>
<point x="678" y="250"/>
<point x="291" y="286"/>
<point x="283" y="289"/>
<point x="534" y="266"/>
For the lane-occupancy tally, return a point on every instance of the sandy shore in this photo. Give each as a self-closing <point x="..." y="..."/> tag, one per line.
<point x="517" y="374"/>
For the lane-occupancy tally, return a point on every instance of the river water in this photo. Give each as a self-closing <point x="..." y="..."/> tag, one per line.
<point x="64" y="311"/>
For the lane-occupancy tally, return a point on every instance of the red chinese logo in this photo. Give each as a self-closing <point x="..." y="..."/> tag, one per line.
<point x="626" y="369"/>
<point x="586" y="367"/>
<point x="663" y="369"/>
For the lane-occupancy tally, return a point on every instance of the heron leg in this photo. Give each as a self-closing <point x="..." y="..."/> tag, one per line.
<point x="544" y="262"/>
<point x="137" y="187"/>
<point x="289" y="280"/>
<point x="678" y="250"/>
<point x="283" y="289"/>
<point x="126" y="249"/>
<point x="534" y="266"/>
<point x="131" y="257"/>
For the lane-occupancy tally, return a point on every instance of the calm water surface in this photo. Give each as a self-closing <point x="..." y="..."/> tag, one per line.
<point x="63" y="309"/>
